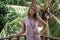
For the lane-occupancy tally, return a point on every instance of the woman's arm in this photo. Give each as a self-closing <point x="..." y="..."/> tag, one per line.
<point x="44" y="24"/>
<point x="23" y="30"/>
<point x="20" y="33"/>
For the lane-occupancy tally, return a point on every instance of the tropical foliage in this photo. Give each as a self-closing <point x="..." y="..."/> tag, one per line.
<point x="11" y="19"/>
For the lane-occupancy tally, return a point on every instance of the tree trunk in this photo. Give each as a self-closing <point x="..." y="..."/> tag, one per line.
<point x="34" y="2"/>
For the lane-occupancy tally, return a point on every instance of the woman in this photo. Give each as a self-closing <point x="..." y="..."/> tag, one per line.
<point x="30" y="25"/>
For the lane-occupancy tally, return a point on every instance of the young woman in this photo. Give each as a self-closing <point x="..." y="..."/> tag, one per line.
<point x="30" y="25"/>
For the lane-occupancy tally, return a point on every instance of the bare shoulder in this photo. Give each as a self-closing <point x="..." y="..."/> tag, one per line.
<point x="24" y="18"/>
<point x="39" y="19"/>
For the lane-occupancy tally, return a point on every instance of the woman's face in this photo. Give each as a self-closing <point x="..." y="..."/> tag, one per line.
<point x="31" y="11"/>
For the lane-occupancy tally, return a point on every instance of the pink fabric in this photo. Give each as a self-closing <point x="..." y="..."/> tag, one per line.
<point x="29" y="30"/>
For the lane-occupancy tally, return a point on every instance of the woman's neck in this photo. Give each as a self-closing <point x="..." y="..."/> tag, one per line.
<point x="31" y="17"/>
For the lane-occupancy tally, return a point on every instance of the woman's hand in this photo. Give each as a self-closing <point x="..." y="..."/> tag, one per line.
<point x="16" y="35"/>
<point x="11" y="36"/>
<point x="40" y="34"/>
<point x="36" y="32"/>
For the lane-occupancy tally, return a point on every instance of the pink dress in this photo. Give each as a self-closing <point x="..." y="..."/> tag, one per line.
<point x="29" y="29"/>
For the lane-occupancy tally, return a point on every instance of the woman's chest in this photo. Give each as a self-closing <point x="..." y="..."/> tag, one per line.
<point x="31" y="23"/>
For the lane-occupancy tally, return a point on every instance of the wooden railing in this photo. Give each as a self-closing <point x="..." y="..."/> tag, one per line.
<point x="43" y="37"/>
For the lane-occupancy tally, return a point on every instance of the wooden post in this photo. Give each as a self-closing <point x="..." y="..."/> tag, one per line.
<point x="18" y="38"/>
<point x="10" y="39"/>
<point x="34" y="2"/>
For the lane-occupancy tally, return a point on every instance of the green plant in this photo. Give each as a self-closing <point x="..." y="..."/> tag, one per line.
<point x="3" y="12"/>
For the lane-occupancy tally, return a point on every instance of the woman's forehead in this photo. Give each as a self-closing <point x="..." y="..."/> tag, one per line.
<point x="32" y="8"/>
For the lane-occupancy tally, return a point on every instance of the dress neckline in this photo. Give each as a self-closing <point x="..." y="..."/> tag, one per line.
<point x="30" y="19"/>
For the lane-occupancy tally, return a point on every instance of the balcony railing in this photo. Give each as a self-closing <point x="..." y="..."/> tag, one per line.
<point x="43" y="37"/>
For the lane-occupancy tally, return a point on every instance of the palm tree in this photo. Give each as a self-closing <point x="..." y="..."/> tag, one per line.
<point x="51" y="7"/>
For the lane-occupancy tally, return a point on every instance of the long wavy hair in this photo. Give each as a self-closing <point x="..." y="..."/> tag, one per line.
<point x="36" y="12"/>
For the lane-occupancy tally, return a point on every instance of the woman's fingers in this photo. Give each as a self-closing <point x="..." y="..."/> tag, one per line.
<point x="36" y="32"/>
<point x="17" y="35"/>
<point x="11" y="36"/>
